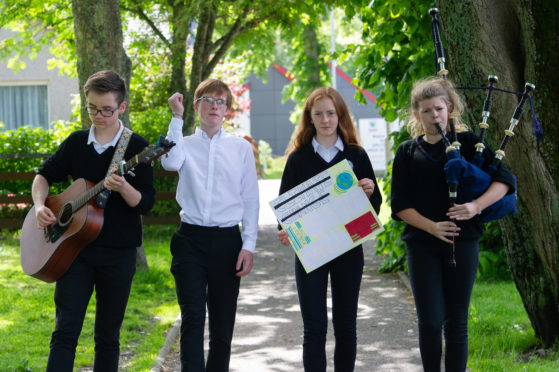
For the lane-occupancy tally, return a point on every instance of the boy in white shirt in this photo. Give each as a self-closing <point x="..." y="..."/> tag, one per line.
<point x="217" y="189"/>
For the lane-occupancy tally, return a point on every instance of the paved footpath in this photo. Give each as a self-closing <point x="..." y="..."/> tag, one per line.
<point x="268" y="330"/>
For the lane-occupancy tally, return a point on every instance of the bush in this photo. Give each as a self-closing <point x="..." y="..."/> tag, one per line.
<point x="28" y="141"/>
<point x="492" y="255"/>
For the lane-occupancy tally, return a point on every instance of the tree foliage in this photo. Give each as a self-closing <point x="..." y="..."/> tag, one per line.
<point x="395" y="51"/>
<point x="37" y="23"/>
<point x="238" y="28"/>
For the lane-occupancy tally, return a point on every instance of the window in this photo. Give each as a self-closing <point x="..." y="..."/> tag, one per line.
<point x="24" y="105"/>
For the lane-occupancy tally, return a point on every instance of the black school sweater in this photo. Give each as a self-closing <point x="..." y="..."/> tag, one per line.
<point x="305" y="163"/>
<point x="419" y="182"/>
<point x="122" y="228"/>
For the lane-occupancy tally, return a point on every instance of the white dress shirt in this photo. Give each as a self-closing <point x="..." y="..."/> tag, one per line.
<point x="99" y="147"/>
<point x="217" y="185"/>
<point x="328" y="153"/>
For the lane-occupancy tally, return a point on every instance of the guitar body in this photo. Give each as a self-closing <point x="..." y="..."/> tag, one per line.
<point x="48" y="258"/>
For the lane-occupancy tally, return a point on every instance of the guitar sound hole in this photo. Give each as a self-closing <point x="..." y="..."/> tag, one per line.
<point x="65" y="214"/>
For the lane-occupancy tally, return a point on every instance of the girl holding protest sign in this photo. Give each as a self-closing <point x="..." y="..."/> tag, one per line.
<point x="325" y="136"/>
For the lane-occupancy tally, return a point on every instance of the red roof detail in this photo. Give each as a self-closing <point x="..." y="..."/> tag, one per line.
<point x="284" y="72"/>
<point x="347" y="78"/>
<point x="342" y="74"/>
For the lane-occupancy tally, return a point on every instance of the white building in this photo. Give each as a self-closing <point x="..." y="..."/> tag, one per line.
<point x="35" y="95"/>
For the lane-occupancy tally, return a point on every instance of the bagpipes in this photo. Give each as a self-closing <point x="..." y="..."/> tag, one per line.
<point x="472" y="179"/>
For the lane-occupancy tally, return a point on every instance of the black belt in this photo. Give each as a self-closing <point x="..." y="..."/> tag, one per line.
<point x="187" y="227"/>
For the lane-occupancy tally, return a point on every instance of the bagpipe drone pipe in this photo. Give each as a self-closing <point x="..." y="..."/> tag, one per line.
<point x="470" y="179"/>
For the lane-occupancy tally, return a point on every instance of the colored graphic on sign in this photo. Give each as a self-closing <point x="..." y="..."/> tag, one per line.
<point x="362" y="226"/>
<point x="326" y="216"/>
<point x="344" y="181"/>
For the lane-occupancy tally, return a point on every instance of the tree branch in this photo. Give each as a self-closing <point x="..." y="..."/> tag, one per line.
<point x="209" y="30"/>
<point x="225" y="42"/>
<point x="143" y="16"/>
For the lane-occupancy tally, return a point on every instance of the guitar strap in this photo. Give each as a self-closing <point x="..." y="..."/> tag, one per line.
<point x="120" y="149"/>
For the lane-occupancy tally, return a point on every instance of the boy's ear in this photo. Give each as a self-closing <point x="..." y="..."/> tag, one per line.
<point x="122" y="107"/>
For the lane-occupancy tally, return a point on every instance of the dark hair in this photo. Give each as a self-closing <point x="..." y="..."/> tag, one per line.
<point x="214" y="86"/>
<point x="106" y="81"/>
<point x="305" y="129"/>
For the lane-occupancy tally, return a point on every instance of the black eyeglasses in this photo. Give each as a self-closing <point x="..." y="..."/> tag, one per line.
<point x="210" y="101"/>
<point x="105" y="113"/>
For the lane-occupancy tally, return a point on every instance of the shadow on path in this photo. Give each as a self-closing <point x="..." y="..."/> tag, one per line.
<point x="268" y="331"/>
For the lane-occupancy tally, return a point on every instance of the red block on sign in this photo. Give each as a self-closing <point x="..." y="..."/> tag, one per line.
<point x="362" y="226"/>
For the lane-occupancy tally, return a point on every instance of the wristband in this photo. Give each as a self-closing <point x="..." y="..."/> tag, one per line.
<point x="176" y="114"/>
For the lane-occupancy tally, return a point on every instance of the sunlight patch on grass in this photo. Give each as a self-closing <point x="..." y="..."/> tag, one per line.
<point x="5" y="323"/>
<point x="27" y="310"/>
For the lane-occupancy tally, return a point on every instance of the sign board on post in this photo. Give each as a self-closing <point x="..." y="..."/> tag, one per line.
<point x="326" y="216"/>
<point x="372" y="134"/>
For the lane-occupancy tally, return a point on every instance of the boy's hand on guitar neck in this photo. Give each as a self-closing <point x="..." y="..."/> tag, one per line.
<point x="115" y="182"/>
<point x="119" y="184"/>
<point x="44" y="216"/>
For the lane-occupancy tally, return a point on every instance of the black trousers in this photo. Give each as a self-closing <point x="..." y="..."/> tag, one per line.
<point x="110" y="272"/>
<point x="442" y="299"/>
<point x="203" y="265"/>
<point x="345" y="274"/>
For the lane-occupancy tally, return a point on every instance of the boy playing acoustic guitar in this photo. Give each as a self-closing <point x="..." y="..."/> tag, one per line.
<point x="108" y="263"/>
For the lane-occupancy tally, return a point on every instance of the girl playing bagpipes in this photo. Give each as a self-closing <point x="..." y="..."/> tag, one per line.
<point x="441" y="239"/>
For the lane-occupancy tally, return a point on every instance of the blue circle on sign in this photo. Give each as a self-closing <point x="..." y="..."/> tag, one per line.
<point x="344" y="181"/>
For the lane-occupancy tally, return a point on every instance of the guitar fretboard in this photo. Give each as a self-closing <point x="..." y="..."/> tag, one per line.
<point x="98" y="188"/>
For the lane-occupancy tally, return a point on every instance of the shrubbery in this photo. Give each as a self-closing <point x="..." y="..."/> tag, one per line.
<point x="26" y="140"/>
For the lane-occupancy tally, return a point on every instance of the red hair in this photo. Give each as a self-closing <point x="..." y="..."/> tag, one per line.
<point x="305" y="130"/>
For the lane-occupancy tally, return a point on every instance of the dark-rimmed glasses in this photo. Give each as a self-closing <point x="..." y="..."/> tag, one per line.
<point x="105" y="113"/>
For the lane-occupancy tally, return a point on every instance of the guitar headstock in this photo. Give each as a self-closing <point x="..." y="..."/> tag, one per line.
<point x="152" y="152"/>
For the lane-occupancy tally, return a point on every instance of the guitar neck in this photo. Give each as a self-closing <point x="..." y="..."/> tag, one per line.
<point x="98" y="188"/>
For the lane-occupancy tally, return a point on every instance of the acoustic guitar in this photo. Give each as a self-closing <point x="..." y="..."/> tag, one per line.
<point x="46" y="254"/>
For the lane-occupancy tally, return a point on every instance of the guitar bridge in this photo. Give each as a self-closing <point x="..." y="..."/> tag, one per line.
<point x="53" y="232"/>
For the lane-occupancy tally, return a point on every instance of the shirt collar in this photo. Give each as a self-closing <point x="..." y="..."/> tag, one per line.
<point x="91" y="138"/>
<point x="316" y="146"/>
<point x="200" y="133"/>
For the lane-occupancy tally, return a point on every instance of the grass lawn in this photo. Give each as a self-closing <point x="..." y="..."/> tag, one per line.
<point x="275" y="170"/>
<point x="500" y="335"/>
<point x="27" y="310"/>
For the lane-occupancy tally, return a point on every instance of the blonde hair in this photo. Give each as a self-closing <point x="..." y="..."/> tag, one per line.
<point x="305" y="130"/>
<point x="429" y="88"/>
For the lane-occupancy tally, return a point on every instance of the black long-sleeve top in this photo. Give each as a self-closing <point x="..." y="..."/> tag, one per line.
<point x="419" y="182"/>
<point x="122" y="228"/>
<point x="305" y="163"/>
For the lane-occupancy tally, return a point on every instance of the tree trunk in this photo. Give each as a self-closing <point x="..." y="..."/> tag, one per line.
<point x="98" y="33"/>
<point x="180" y="25"/>
<point x="312" y="51"/>
<point x="99" y="47"/>
<point x="200" y="57"/>
<point x="517" y="41"/>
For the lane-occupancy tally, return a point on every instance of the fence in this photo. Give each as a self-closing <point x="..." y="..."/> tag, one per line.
<point x="28" y="176"/>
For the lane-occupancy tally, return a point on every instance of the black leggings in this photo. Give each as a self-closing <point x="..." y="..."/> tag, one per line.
<point x="442" y="298"/>
<point x="345" y="274"/>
